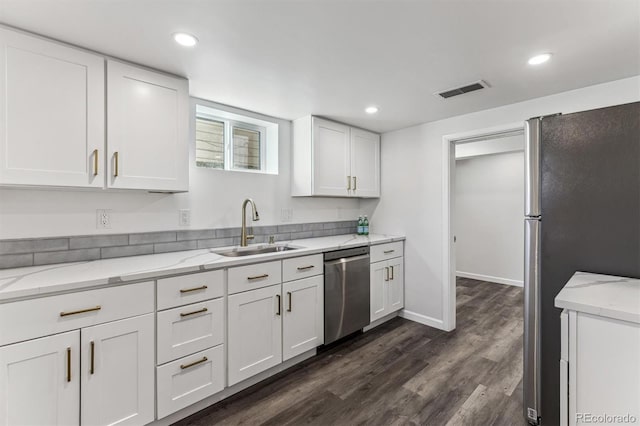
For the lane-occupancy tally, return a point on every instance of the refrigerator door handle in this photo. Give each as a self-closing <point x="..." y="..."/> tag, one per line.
<point x="532" y="378"/>
<point x="532" y="167"/>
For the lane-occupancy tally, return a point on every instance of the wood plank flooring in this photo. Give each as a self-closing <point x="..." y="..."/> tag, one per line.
<point x="401" y="373"/>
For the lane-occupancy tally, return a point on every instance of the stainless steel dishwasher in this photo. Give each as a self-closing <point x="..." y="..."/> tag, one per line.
<point x="346" y="292"/>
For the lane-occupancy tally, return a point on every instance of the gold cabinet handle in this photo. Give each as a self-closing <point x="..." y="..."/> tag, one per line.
<point x="290" y="306"/>
<point x="348" y="183"/>
<point x="115" y="159"/>
<point x="95" y="162"/>
<point x="304" y="268"/>
<point x="391" y="272"/>
<point x="278" y="312"/>
<point x="68" y="364"/>
<point x="257" y="277"/>
<point x="81" y="311"/>
<point x="189" y="290"/>
<point x="388" y="251"/>
<point x="186" y="314"/>
<point x="355" y="186"/>
<point x="191" y="364"/>
<point x="93" y="356"/>
<point x="386" y="273"/>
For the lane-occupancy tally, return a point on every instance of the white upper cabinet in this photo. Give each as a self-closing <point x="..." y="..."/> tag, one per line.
<point x="147" y="129"/>
<point x="365" y="163"/>
<point x="51" y="113"/>
<point x="334" y="160"/>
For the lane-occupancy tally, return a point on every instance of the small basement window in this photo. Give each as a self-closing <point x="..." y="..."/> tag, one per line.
<point x="230" y="141"/>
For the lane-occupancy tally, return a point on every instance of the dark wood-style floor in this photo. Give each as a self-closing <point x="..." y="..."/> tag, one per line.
<point x="401" y="373"/>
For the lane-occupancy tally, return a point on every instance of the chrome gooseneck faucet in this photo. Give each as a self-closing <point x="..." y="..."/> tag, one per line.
<point x="255" y="217"/>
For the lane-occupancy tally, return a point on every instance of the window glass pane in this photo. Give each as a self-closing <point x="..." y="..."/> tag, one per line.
<point x="246" y="149"/>
<point x="209" y="143"/>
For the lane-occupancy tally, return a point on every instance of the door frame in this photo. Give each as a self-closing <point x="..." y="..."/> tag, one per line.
<point x="449" y="143"/>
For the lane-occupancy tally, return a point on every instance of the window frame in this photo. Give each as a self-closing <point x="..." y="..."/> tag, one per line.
<point x="261" y="130"/>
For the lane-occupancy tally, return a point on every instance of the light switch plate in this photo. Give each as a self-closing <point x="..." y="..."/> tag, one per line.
<point x="286" y="215"/>
<point x="185" y="217"/>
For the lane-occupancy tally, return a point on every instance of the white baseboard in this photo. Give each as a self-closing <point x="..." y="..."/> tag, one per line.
<point x="490" y="279"/>
<point x="422" y="319"/>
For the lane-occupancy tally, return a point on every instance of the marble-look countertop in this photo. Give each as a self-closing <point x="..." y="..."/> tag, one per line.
<point x="18" y="283"/>
<point x="603" y="295"/>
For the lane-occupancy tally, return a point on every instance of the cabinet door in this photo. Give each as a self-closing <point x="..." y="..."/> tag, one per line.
<point x="303" y="320"/>
<point x="255" y="332"/>
<point x="331" y="164"/>
<point x="40" y="382"/>
<point x="118" y="368"/>
<point x="147" y="129"/>
<point x="396" y="284"/>
<point x="379" y="294"/>
<point x="51" y="113"/>
<point x="365" y="163"/>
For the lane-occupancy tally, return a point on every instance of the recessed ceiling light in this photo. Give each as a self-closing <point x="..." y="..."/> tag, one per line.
<point x="185" y="39"/>
<point x="371" y="110"/>
<point x="539" y="59"/>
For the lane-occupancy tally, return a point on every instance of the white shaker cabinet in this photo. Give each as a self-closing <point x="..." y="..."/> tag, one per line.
<point x="387" y="280"/>
<point x="118" y="366"/>
<point x="147" y="129"/>
<point x="334" y="160"/>
<point x="40" y="381"/>
<point x="365" y="163"/>
<point x="51" y="113"/>
<point x="303" y="319"/>
<point x="255" y="332"/>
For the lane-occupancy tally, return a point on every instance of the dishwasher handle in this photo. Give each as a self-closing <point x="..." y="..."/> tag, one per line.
<point x="346" y="259"/>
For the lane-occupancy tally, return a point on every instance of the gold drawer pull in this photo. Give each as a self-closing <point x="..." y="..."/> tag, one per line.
<point x="303" y="268"/>
<point x="257" y="277"/>
<point x="82" y="311"/>
<point x="348" y="183"/>
<point x="116" y="158"/>
<point x="95" y="162"/>
<point x="200" y="361"/>
<point x="93" y="356"/>
<point x="189" y="290"/>
<point x="68" y="364"/>
<point x="388" y="251"/>
<point x="194" y="312"/>
<point x="391" y="272"/>
<point x="290" y="304"/>
<point x="279" y="311"/>
<point x="386" y="273"/>
<point x="355" y="183"/>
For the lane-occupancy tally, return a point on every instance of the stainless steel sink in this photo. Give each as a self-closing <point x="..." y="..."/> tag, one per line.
<point x="250" y="251"/>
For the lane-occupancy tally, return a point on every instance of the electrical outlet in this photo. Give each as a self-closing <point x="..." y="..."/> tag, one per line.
<point x="185" y="217"/>
<point x="286" y="215"/>
<point x="103" y="219"/>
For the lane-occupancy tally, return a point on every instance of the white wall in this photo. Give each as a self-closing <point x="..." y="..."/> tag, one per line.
<point x="489" y="209"/>
<point x="411" y="202"/>
<point x="214" y="198"/>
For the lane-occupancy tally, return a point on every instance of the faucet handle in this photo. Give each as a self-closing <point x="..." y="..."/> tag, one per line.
<point x="272" y="239"/>
<point x="250" y="237"/>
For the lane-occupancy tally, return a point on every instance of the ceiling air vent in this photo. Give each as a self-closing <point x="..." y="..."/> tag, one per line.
<point x="471" y="87"/>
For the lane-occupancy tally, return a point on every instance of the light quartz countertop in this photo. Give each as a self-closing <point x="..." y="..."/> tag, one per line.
<point x="603" y="295"/>
<point x="33" y="281"/>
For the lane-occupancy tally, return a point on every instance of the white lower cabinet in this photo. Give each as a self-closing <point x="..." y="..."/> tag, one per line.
<point x="40" y="381"/>
<point x="303" y="320"/>
<point x="255" y="332"/>
<point x="387" y="287"/>
<point x="117" y="376"/>
<point x="190" y="379"/>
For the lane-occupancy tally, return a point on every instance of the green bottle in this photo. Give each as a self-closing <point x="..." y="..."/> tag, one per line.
<point x="365" y="226"/>
<point x="360" y="225"/>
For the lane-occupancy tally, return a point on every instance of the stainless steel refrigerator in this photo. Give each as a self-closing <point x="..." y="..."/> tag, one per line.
<point x="582" y="213"/>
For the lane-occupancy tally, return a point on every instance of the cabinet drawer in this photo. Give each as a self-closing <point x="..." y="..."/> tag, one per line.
<point x="185" y="289"/>
<point x="189" y="380"/>
<point x="302" y="267"/>
<point x="56" y="314"/>
<point x="189" y="329"/>
<point x="250" y="277"/>
<point x="386" y="251"/>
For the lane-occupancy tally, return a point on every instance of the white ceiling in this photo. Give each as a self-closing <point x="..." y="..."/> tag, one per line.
<point x="333" y="58"/>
